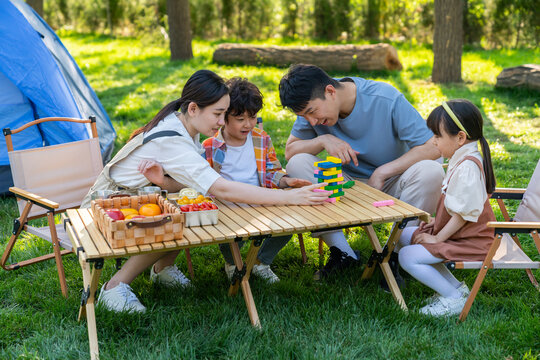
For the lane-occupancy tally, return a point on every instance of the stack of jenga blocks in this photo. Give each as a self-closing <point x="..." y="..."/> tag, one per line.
<point x="329" y="171"/>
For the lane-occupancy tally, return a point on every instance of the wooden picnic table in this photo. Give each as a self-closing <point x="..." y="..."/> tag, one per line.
<point x="240" y="222"/>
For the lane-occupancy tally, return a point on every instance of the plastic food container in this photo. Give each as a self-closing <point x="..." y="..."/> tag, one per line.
<point x="199" y="218"/>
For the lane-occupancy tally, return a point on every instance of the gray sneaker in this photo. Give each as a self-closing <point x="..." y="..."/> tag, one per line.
<point x="444" y="306"/>
<point x="463" y="289"/>
<point x="265" y="273"/>
<point x="120" y="298"/>
<point x="229" y="270"/>
<point x="169" y="276"/>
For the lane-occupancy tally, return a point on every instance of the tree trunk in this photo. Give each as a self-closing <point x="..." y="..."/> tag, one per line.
<point x="37" y="5"/>
<point x="447" y="41"/>
<point x="179" y="29"/>
<point x="372" y="19"/>
<point x="331" y="58"/>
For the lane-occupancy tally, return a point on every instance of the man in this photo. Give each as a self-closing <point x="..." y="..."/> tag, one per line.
<point x="380" y="138"/>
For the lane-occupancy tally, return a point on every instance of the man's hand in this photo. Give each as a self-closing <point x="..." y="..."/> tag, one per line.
<point x="340" y="149"/>
<point x="376" y="180"/>
<point x="153" y="171"/>
<point x="286" y="181"/>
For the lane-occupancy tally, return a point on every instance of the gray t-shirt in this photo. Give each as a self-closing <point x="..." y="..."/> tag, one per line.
<point x="382" y="127"/>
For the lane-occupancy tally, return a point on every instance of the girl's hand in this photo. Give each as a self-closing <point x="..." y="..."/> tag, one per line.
<point x="306" y="196"/>
<point x="425" y="239"/>
<point x="423" y="226"/>
<point x="153" y="171"/>
<point x="293" y="182"/>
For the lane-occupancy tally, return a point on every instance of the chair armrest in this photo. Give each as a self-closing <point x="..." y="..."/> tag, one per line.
<point x="34" y="198"/>
<point x="514" y="226"/>
<point x="508" y="193"/>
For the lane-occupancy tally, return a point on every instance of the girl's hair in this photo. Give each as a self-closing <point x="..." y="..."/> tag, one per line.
<point x="245" y="96"/>
<point x="203" y="88"/>
<point x="472" y="121"/>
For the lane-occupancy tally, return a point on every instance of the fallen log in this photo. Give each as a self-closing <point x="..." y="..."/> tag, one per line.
<point x="524" y="76"/>
<point x="330" y="58"/>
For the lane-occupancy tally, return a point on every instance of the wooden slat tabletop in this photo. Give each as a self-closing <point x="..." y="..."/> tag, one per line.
<point x="241" y="221"/>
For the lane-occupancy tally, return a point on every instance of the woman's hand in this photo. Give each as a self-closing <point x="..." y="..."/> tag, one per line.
<point x="153" y="171"/>
<point x="306" y="196"/>
<point x="286" y="181"/>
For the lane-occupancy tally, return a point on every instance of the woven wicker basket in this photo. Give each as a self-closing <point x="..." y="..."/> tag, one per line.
<point x="152" y="229"/>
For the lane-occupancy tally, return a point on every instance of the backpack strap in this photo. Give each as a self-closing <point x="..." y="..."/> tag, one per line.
<point x="160" y="134"/>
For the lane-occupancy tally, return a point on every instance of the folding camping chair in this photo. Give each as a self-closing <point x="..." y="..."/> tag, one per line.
<point x="54" y="178"/>
<point x="506" y="251"/>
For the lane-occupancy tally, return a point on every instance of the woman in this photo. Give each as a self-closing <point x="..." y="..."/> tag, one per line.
<point x="172" y="139"/>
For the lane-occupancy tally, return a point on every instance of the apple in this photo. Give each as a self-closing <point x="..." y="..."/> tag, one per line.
<point x="115" y="214"/>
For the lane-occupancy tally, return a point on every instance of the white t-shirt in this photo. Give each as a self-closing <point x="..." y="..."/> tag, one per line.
<point x="240" y="163"/>
<point x="180" y="157"/>
<point x="464" y="185"/>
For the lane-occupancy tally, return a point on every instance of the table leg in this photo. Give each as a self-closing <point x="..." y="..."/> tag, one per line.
<point x="376" y="245"/>
<point x="385" y="267"/>
<point x="244" y="282"/>
<point x="87" y="309"/>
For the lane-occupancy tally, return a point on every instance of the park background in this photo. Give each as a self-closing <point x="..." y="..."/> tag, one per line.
<point x="123" y="48"/>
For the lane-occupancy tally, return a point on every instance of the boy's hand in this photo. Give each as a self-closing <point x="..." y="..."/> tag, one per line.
<point x="153" y="171"/>
<point x="286" y="181"/>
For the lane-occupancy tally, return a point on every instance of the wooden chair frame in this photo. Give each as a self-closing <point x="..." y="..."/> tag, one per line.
<point x="507" y="227"/>
<point x="21" y="223"/>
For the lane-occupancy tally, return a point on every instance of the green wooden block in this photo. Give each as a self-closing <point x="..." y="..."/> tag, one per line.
<point x="349" y="184"/>
<point x="333" y="187"/>
<point x="338" y="194"/>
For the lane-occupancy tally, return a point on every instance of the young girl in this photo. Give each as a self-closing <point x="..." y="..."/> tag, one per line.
<point x="172" y="138"/>
<point x="459" y="231"/>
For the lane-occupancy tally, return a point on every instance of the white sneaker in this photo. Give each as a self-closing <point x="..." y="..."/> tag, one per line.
<point x="229" y="270"/>
<point x="169" y="276"/>
<point x="264" y="272"/>
<point x="120" y="298"/>
<point x="463" y="289"/>
<point x="445" y="306"/>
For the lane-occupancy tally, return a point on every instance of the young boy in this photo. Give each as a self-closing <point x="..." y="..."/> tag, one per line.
<point x="241" y="152"/>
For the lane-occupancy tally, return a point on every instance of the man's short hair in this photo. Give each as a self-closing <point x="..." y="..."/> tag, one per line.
<point x="303" y="83"/>
<point x="245" y="96"/>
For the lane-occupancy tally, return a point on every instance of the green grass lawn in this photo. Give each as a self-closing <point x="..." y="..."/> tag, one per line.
<point x="342" y="318"/>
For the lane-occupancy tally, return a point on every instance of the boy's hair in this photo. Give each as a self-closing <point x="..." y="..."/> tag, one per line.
<point x="303" y="83"/>
<point x="471" y="119"/>
<point x="245" y="96"/>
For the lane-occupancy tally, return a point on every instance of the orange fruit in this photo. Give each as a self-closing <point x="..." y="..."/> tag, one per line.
<point x="129" y="211"/>
<point x="150" y="210"/>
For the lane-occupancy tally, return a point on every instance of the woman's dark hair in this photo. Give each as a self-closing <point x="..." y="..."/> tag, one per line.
<point x="471" y="119"/>
<point x="303" y="83"/>
<point x="203" y="88"/>
<point x="245" y="96"/>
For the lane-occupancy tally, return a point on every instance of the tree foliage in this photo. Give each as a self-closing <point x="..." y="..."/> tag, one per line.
<point x="489" y="23"/>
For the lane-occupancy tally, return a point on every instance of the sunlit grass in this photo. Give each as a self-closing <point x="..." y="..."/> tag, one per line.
<point x="301" y="319"/>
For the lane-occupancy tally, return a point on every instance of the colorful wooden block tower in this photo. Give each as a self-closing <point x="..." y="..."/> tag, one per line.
<point x="329" y="171"/>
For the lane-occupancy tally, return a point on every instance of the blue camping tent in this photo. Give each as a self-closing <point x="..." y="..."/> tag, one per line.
<point x="39" y="78"/>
